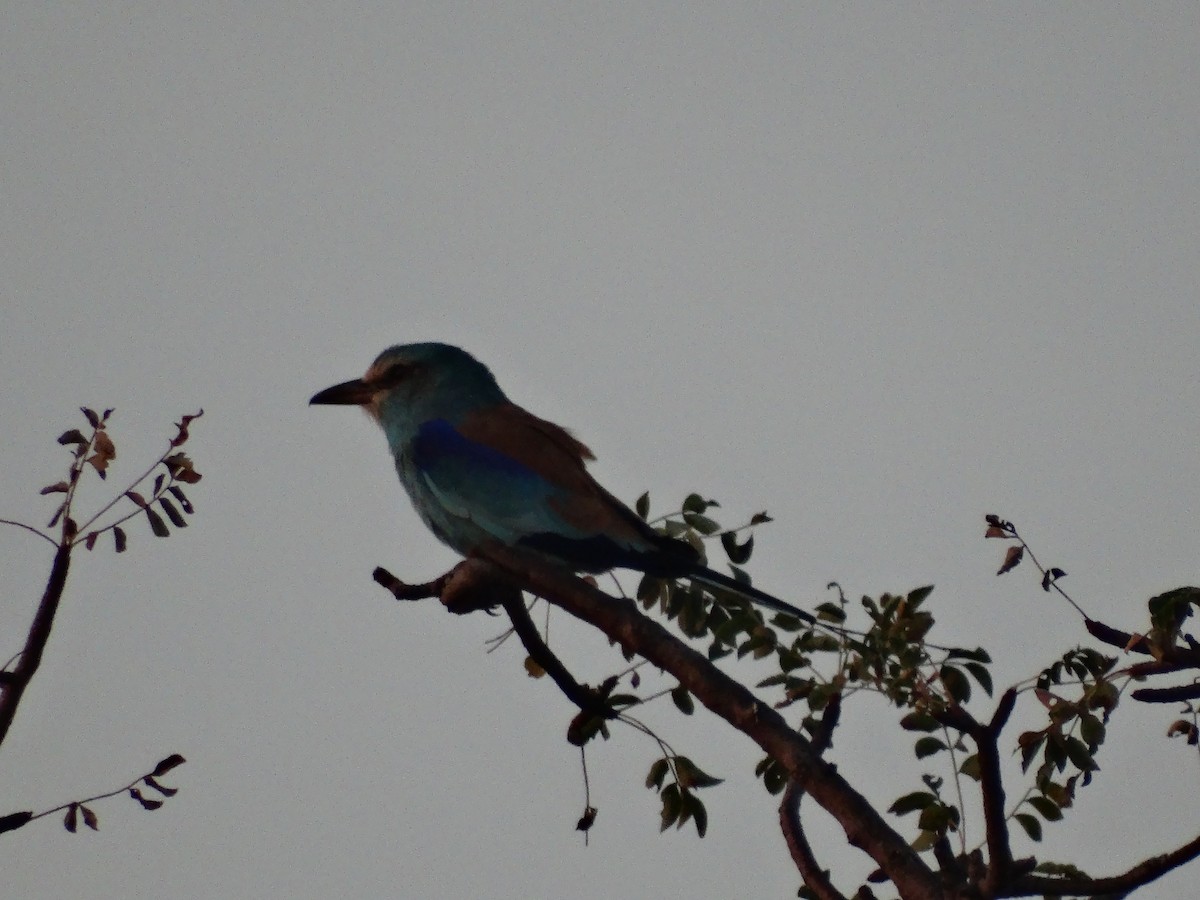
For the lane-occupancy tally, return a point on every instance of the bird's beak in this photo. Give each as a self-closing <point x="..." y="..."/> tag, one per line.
<point x="348" y="393"/>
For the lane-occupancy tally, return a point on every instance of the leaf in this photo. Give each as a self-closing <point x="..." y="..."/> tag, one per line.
<point x="670" y="806"/>
<point x="912" y="802"/>
<point x="692" y="776"/>
<point x="683" y="700"/>
<point x="533" y="668"/>
<point x="918" y="721"/>
<point x="89" y="818"/>
<point x="981" y="674"/>
<point x="90" y="415"/>
<point x="164" y="766"/>
<point x="71" y="818"/>
<point x="699" y="815"/>
<point x="587" y="820"/>
<point x="642" y="507"/>
<point x="90" y="540"/>
<point x="957" y="684"/>
<point x="74" y="436"/>
<point x="60" y="488"/>
<point x="739" y="554"/>
<point x="182" y="425"/>
<point x="1011" y="559"/>
<point x="971" y="768"/>
<point x="146" y="802"/>
<point x="760" y="518"/>
<point x="181" y="467"/>
<point x="137" y="498"/>
<point x="1048" y="808"/>
<point x="1032" y="826"/>
<point x="702" y="524"/>
<point x="157" y="525"/>
<point x="177" y="492"/>
<point x="927" y="746"/>
<point x="13" y="821"/>
<point x="1051" y="576"/>
<point x="995" y="531"/>
<point x="658" y="771"/>
<point x="162" y="789"/>
<point x="172" y="513"/>
<point x="119" y="538"/>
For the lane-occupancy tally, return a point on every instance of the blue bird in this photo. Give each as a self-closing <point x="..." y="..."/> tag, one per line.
<point x="479" y="469"/>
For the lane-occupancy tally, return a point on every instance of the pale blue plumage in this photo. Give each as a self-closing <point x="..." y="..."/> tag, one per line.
<point x="480" y="469"/>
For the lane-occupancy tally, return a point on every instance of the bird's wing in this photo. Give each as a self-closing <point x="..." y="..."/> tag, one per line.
<point x="518" y="476"/>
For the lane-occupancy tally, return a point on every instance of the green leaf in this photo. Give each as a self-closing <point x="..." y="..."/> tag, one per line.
<point x="912" y="802"/>
<point x="927" y="746"/>
<point x="981" y="675"/>
<point x="658" y="771"/>
<point x="971" y="768"/>
<point x="1032" y="826"/>
<point x="1079" y="755"/>
<point x="642" y="507"/>
<point x="1048" y="808"/>
<point x="956" y="683"/>
<point x="683" y="700"/>
<point x="917" y="596"/>
<point x="694" y="503"/>
<point x="702" y="524"/>
<point x="671" y="806"/>
<point x="692" y="776"/>
<point x="699" y="815"/>
<point x="739" y="554"/>
<point x="916" y="721"/>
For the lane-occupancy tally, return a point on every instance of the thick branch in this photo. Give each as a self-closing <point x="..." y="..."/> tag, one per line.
<point x="621" y="620"/>
<point x="815" y="878"/>
<point x="1138" y="876"/>
<point x="13" y="686"/>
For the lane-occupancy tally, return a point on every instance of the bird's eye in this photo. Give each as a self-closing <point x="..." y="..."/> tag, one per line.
<point x="394" y="374"/>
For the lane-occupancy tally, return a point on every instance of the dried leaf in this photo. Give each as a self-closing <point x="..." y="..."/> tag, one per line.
<point x="119" y="538"/>
<point x="146" y="802"/>
<point x="137" y="498"/>
<point x="172" y="513"/>
<point x="60" y="488"/>
<point x="69" y="821"/>
<point x="90" y="540"/>
<point x="1011" y="559"/>
<point x="166" y="765"/>
<point x="184" y="502"/>
<point x="13" y="821"/>
<point x="74" y="436"/>
<point x="182" y="425"/>
<point x="533" y="668"/>
<point x="90" y="415"/>
<point x="89" y="818"/>
<point x="587" y="819"/>
<point x="162" y="789"/>
<point x="995" y="531"/>
<point x="157" y="525"/>
<point x="181" y="467"/>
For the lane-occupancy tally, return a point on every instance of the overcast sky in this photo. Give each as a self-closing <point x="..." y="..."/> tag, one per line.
<point x="879" y="269"/>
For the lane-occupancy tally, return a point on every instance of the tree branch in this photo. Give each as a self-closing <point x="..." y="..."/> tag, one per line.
<point x="12" y="688"/>
<point x="732" y="701"/>
<point x="1138" y="876"/>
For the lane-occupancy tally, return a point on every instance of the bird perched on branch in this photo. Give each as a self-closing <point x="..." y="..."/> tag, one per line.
<point x="478" y="468"/>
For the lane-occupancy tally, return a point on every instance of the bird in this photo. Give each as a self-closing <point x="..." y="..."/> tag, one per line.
<point x="479" y="469"/>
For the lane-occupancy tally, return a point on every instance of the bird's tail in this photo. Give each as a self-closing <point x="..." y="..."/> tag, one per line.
<point x="723" y="582"/>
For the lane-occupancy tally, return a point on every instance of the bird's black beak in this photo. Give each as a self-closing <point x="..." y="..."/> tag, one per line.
<point x="348" y="393"/>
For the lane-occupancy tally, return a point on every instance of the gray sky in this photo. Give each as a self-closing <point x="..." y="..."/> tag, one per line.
<point x="879" y="269"/>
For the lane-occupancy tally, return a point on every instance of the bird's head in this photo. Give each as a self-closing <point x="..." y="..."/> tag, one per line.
<point x="410" y="384"/>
